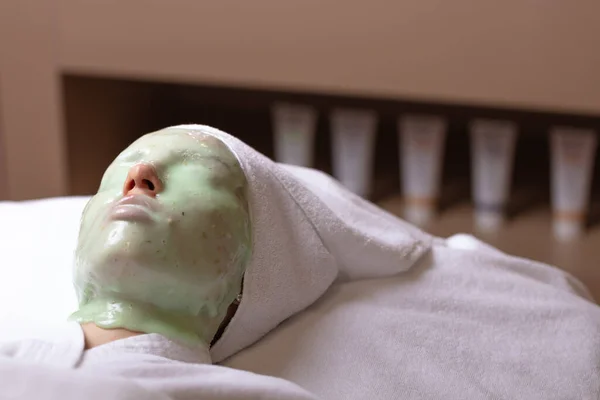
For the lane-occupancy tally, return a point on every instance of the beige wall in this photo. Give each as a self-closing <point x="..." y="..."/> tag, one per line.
<point x="30" y="111"/>
<point x="533" y="54"/>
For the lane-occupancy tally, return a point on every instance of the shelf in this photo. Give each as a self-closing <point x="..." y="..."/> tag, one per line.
<point x="527" y="235"/>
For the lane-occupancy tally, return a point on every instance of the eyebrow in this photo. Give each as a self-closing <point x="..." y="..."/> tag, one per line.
<point x="179" y="157"/>
<point x="137" y="155"/>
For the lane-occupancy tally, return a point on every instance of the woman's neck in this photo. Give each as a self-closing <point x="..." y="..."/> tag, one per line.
<point x="157" y="345"/>
<point x="96" y="336"/>
<point x="110" y="319"/>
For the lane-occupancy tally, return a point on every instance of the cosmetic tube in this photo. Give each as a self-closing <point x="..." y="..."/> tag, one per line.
<point x="294" y="132"/>
<point x="572" y="152"/>
<point x="353" y="145"/>
<point x="421" y="140"/>
<point x="492" y="158"/>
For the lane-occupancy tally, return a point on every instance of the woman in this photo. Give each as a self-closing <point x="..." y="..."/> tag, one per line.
<point x="181" y="218"/>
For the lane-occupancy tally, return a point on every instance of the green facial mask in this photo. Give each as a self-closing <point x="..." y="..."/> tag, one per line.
<point x="170" y="264"/>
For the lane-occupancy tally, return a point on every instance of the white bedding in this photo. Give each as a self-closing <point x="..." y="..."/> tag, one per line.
<point x="466" y="322"/>
<point x="37" y="239"/>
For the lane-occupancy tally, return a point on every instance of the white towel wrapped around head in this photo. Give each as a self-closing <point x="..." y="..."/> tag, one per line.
<point x="308" y="231"/>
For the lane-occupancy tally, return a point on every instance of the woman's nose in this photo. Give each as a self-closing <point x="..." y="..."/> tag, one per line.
<point x="142" y="179"/>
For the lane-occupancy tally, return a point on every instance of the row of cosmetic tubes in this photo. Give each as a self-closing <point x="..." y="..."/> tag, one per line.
<point x="422" y="139"/>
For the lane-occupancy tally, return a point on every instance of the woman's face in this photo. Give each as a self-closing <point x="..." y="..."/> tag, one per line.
<point x="169" y="227"/>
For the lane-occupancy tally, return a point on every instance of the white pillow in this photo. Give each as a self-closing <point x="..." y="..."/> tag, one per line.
<point x="37" y="242"/>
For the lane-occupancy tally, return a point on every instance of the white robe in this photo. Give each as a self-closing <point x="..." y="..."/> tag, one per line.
<point x="145" y="366"/>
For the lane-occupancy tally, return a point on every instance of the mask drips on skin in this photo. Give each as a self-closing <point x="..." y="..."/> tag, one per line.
<point x="176" y="272"/>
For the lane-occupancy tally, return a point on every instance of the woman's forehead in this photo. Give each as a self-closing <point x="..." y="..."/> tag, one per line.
<point x="183" y="136"/>
<point x="179" y="139"/>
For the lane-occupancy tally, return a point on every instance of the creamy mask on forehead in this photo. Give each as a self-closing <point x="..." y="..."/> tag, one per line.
<point x="164" y="243"/>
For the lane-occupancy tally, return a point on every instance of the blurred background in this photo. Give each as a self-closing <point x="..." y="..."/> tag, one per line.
<point x="464" y="116"/>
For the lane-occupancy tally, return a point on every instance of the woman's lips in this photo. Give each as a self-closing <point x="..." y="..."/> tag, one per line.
<point x="130" y="213"/>
<point x="134" y="208"/>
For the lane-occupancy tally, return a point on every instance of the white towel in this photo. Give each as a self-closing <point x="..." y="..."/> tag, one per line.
<point x="461" y="324"/>
<point x="308" y="232"/>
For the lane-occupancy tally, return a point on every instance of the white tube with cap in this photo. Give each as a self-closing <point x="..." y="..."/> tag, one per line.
<point x="422" y="139"/>
<point x="492" y="159"/>
<point x="573" y="152"/>
<point x="353" y="134"/>
<point x="294" y="132"/>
